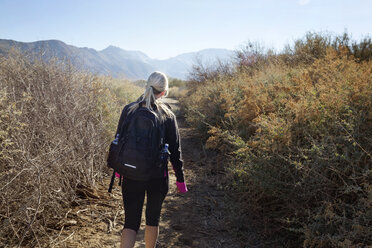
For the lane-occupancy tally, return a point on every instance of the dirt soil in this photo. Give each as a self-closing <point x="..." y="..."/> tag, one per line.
<point x="194" y="219"/>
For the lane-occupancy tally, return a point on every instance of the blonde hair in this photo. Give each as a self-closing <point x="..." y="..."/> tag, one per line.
<point x="156" y="84"/>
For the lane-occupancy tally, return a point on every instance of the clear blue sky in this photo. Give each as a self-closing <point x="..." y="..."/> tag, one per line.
<point x="165" y="28"/>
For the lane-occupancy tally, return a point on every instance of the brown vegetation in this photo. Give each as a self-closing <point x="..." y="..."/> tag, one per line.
<point x="177" y="88"/>
<point x="297" y="127"/>
<point x="54" y="126"/>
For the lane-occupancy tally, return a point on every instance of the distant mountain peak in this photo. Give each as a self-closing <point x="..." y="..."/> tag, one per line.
<point x="116" y="48"/>
<point x="111" y="47"/>
<point x="116" y="61"/>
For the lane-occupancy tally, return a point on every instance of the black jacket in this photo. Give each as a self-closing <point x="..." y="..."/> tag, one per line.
<point x="172" y="137"/>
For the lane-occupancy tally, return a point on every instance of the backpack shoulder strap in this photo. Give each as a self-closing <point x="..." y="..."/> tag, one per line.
<point x="162" y="127"/>
<point x="126" y="120"/>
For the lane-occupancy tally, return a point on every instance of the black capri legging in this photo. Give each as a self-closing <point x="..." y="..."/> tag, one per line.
<point x="134" y="195"/>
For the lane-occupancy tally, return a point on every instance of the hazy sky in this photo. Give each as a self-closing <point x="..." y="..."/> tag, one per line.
<point x="165" y="28"/>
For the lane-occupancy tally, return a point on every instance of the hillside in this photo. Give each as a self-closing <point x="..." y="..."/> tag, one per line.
<point x="116" y="61"/>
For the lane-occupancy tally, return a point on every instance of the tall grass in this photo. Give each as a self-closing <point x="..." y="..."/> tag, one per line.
<point x="298" y="129"/>
<point x="55" y="123"/>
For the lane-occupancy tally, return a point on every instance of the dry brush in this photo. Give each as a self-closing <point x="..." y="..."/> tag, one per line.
<point x="299" y="137"/>
<point x="54" y="126"/>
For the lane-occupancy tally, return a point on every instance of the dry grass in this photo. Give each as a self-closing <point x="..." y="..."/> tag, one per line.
<point x="299" y="136"/>
<point x="177" y="88"/>
<point x="54" y="124"/>
<point x="177" y="92"/>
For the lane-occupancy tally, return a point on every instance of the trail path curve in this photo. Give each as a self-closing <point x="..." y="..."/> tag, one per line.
<point x="195" y="219"/>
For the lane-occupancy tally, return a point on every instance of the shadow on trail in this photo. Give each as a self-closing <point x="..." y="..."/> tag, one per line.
<point x="197" y="218"/>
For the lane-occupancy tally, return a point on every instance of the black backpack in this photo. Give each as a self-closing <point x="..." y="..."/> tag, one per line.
<point x="136" y="152"/>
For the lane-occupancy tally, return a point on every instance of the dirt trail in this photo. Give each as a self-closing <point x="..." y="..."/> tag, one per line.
<point x="195" y="219"/>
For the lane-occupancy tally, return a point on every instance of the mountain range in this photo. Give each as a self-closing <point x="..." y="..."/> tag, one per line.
<point x="116" y="61"/>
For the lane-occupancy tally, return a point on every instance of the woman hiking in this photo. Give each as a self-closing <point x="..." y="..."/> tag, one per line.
<point x="155" y="186"/>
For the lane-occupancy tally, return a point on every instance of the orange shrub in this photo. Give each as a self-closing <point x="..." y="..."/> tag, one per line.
<point x="302" y="141"/>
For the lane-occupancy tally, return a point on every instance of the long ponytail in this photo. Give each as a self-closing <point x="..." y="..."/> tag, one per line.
<point x="156" y="83"/>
